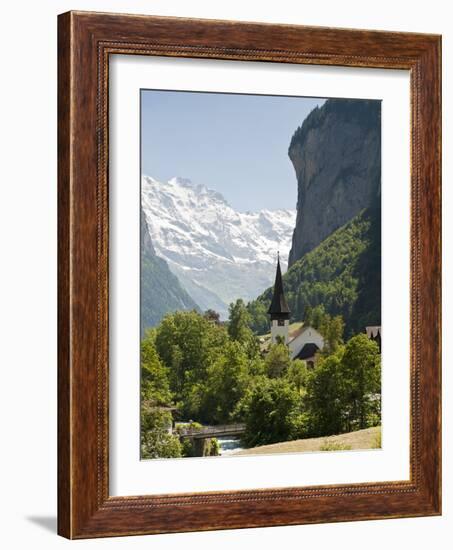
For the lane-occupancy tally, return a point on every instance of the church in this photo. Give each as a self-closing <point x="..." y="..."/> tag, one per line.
<point x="307" y="341"/>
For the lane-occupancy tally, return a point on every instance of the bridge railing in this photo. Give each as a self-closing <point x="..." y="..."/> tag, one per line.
<point x="213" y="430"/>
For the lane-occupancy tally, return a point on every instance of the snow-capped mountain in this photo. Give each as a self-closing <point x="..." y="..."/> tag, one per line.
<point x="218" y="254"/>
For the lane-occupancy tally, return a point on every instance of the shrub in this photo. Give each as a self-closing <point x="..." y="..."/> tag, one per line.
<point x="215" y="447"/>
<point x="334" y="446"/>
<point x="156" y="441"/>
<point x="377" y="441"/>
<point x="187" y="449"/>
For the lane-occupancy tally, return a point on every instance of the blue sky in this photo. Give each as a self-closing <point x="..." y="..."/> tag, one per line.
<point x="233" y="143"/>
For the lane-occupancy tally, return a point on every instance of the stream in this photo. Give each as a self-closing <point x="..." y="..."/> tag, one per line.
<point x="229" y="445"/>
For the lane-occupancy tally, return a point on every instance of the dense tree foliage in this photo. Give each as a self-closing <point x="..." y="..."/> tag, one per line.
<point x="297" y="375"/>
<point x="188" y="344"/>
<point x="212" y="315"/>
<point x="272" y="412"/>
<point x="156" y="441"/>
<point x="195" y="369"/>
<point x="361" y="364"/>
<point x="325" y="397"/>
<point x="344" y="390"/>
<point x="227" y="380"/>
<point x="155" y="386"/>
<point x="259" y="318"/>
<point x="156" y="418"/>
<point x="277" y="361"/>
<point x="239" y="327"/>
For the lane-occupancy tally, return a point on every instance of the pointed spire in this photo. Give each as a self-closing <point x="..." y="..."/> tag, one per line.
<point x="278" y="305"/>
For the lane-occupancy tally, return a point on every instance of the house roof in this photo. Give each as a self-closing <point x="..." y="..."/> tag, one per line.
<point x="301" y="330"/>
<point x="278" y="304"/>
<point x="373" y="331"/>
<point x="307" y="351"/>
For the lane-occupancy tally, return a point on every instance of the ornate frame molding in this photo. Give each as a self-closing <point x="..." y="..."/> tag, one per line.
<point x="86" y="40"/>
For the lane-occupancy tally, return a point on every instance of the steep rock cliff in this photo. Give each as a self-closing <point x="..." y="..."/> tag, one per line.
<point x="336" y="154"/>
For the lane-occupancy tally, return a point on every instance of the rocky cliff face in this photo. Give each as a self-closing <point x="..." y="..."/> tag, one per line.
<point x="336" y="154"/>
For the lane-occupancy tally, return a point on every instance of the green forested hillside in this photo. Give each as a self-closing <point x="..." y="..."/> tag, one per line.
<point x="161" y="291"/>
<point x="343" y="274"/>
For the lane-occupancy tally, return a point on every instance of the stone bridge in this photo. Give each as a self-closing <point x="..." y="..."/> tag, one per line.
<point x="201" y="437"/>
<point x="207" y="432"/>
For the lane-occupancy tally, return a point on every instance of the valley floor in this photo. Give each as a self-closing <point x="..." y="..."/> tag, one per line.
<point x="361" y="439"/>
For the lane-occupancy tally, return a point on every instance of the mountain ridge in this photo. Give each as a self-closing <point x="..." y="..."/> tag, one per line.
<point x="160" y="290"/>
<point x="217" y="253"/>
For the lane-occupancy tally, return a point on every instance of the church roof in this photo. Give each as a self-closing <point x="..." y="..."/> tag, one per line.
<point x="278" y="304"/>
<point x="307" y="351"/>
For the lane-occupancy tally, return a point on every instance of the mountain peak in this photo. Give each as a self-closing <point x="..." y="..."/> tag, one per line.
<point x="218" y="254"/>
<point x="184" y="189"/>
<point x="183" y="182"/>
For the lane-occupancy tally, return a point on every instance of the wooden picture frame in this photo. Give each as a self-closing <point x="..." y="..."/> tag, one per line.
<point x="85" y="42"/>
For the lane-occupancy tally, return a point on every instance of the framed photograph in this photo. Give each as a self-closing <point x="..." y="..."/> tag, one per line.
<point x="249" y="275"/>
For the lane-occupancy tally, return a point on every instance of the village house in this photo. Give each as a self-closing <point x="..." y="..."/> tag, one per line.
<point x="374" y="333"/>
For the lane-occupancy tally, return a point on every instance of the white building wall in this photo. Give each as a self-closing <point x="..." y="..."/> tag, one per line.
<point x="371" y="332"/>
<point x="309" y="335"/>
<point x="282" y="331"/>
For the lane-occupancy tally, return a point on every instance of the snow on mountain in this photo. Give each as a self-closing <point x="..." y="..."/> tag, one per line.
<point x="218" y="254"/>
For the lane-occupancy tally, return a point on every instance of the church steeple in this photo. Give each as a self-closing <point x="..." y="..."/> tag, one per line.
<point x="279" y="310"/>
<point x="279" y="306"/>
